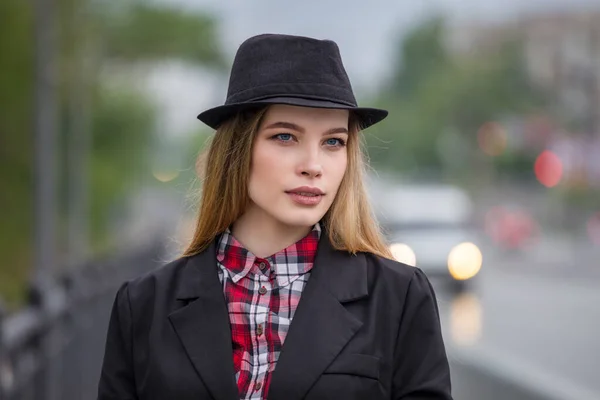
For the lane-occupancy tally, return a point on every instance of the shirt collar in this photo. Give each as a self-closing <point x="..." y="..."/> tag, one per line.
<point x="287" y="264"/>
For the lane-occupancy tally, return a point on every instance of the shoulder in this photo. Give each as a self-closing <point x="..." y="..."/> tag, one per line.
<point x="387" y="269"/>
<point x="399" y="279"/>
<point x="161" y="281"/>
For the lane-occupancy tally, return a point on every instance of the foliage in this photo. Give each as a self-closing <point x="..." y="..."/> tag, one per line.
<point x="15" y="156"/>
<point x="98" y="43"/>
<point x="149" y="32"/>
<point x="434" y="93"/>
<point x="121" y="123"/>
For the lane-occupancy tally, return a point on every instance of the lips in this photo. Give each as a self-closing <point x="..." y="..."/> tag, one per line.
<point x="311" y="200"/>
<point x="306" y="195"/>
<point x="307" y="191"/>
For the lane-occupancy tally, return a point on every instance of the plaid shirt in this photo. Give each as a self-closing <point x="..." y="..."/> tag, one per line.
<point x="262" y="295"/>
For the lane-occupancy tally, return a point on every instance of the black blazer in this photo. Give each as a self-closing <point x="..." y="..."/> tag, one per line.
<point x="365" y="328"/>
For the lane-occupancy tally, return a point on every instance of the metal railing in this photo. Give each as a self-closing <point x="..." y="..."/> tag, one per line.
<point x="53" y="348"/>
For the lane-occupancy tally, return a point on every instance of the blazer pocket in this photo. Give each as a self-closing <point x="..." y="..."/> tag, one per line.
<point x="355" y="364"/>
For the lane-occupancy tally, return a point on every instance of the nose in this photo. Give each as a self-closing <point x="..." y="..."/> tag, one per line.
<point x="313" y="171"/>
<point x="311" y="165"/>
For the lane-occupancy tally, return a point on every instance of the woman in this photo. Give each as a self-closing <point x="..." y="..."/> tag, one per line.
<point x="287" y="290"/>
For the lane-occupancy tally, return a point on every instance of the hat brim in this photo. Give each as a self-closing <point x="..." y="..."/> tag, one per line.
<point x="215" y="116"/>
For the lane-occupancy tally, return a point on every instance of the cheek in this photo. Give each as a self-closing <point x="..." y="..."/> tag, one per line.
<point x="338" y="169"/>
<point x="266" y="168"/>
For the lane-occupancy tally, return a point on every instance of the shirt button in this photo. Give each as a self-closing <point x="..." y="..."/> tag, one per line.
<point x="262" y="266"/>
<point x="262" y="290"/>
<point x="259" y="330"/>
<point x="258" y="386"/>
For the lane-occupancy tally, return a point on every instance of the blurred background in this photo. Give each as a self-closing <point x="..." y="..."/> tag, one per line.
<point x="486" y="174"/>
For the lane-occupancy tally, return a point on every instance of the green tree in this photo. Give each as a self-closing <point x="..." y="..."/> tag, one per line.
<point x="435" y="93"/>
<point x="105" y="41"/>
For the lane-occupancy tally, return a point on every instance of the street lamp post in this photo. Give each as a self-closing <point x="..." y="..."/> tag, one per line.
<point x="45" y="132"/>
<point x="45" y="139"/>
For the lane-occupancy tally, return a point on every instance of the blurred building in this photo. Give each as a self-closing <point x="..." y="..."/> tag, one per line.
<point x="561" y="53"/>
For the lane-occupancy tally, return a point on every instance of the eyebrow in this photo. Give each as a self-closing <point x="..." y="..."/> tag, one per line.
<point x="297" y="128"/>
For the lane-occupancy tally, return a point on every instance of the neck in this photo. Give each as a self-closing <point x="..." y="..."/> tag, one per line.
<point x="263" y="235"/>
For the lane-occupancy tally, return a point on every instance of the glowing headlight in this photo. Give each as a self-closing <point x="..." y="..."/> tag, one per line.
<point x="464" y="261"/>
<point x="403" y="254"/>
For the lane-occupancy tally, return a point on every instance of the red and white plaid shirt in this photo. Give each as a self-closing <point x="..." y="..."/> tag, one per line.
<point x="262" y="295"/>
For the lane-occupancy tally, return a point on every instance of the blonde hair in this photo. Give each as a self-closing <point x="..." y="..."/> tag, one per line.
<point x="225" y="170"/>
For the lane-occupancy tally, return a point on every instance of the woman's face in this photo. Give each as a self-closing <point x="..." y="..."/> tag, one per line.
<point x="298" y="161"/>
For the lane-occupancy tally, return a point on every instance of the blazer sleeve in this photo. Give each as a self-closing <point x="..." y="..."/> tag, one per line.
<point x="117" y="377"/>
<point x="421" y="370"/>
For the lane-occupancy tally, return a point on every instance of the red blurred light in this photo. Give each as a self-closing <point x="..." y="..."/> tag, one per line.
<point x="510" y="229"/>
<point x="548" y="169"/>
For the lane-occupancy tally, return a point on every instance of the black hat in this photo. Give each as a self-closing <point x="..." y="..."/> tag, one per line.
<point x="286" y="69"/>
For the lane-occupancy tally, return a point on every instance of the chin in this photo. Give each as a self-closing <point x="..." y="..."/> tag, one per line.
<point x="303" y="219"/>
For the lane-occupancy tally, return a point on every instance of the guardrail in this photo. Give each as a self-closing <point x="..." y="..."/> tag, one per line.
<point x="53" y="348"/>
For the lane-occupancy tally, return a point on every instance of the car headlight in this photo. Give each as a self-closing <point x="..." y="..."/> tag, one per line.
<point x="403" y="253"/>
<point x="464" y="261"/>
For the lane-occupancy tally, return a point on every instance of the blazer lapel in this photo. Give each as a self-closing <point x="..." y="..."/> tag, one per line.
<point x="321" y="326"/>
<point x="203" y="325"/>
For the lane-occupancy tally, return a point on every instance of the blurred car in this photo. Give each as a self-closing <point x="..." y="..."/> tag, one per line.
<point x="429" y="226"/>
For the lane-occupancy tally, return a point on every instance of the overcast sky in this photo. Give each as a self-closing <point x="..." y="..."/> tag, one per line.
<point x="366" y="33"/>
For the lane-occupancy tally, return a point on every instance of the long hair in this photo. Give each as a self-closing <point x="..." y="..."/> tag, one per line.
<point x="225" y="171"/>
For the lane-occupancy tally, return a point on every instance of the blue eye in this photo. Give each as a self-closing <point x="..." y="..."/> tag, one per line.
<point x="334" y="142"/>
<point x="284" y="137"/>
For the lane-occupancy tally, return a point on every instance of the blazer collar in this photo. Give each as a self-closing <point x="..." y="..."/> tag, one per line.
<point x="322" y="326"/>
<point x="344" y="275"/>
<point x="198" y="274"/>
<point x="203" y="324"/>
<point x="320" y="329"/>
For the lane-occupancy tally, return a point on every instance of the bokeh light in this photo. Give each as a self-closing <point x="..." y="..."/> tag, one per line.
<point x="511" y="228"/>
<point x="548" y="169"/>
<point x="466" y="319"/>
<point x="464" y="261"/>
<point x="165" y="176"/>
<point x="403" y="253"/>
<point x="492" y="138"/>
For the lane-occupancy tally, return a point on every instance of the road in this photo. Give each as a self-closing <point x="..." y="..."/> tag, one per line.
<point x="537" y="312"/>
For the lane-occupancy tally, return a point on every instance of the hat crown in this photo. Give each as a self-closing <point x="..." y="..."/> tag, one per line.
<point x="273" y="65"/>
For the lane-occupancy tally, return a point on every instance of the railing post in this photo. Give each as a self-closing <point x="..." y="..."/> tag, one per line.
<point x="6" y="372"/>
<point x="49" y="300"/>
<point x="75" y="355"/>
